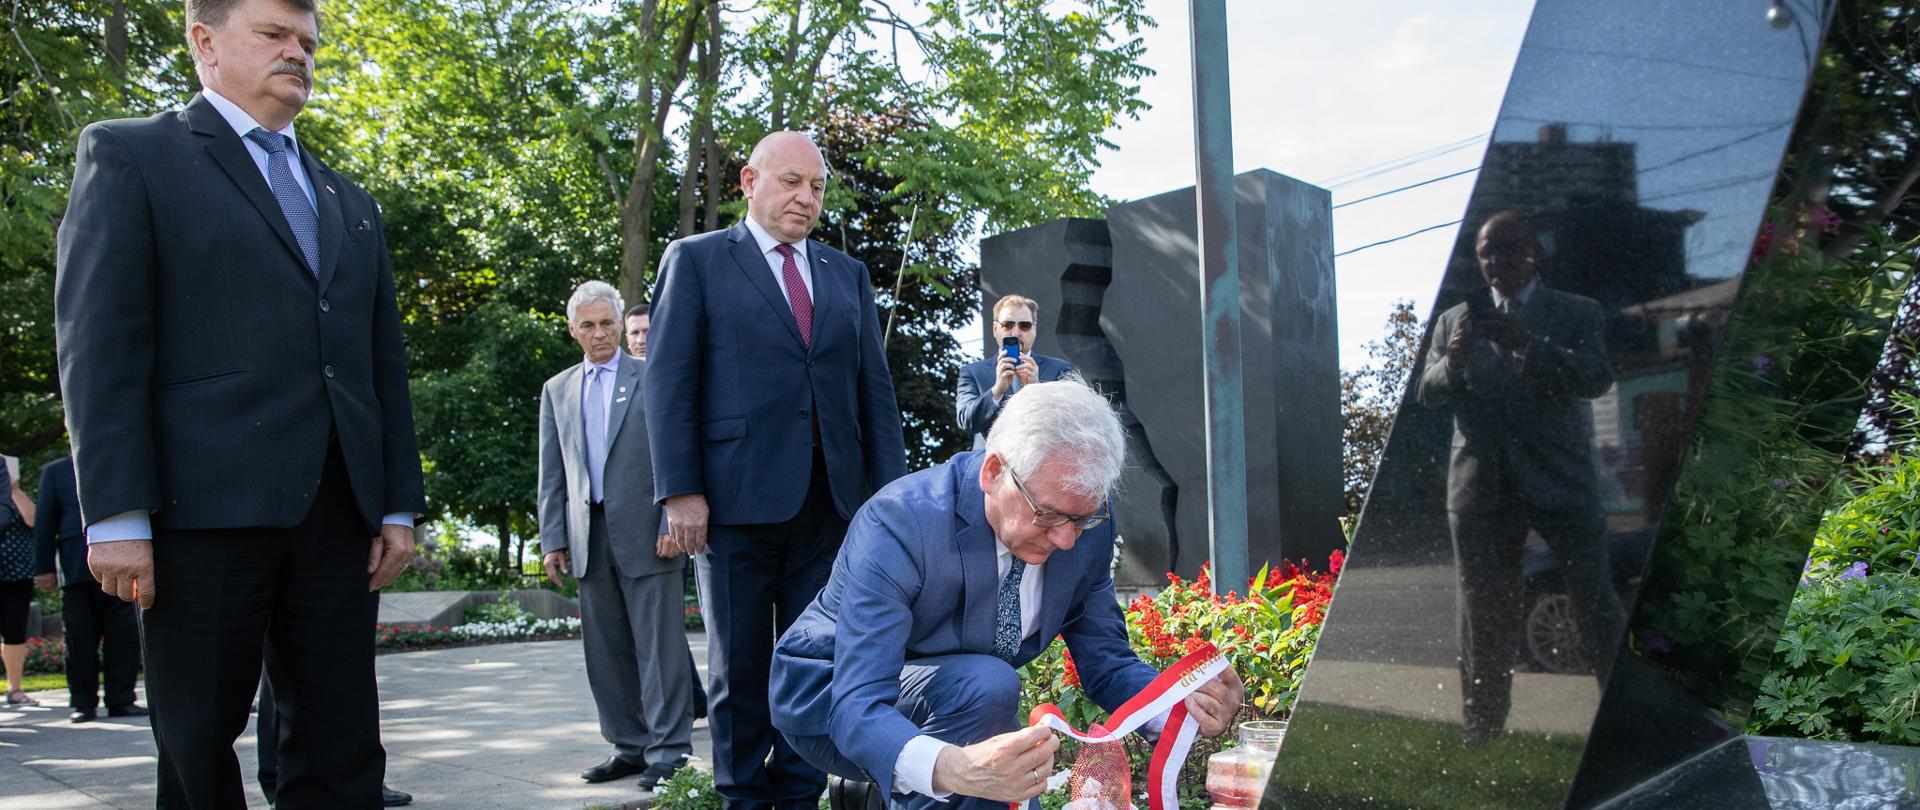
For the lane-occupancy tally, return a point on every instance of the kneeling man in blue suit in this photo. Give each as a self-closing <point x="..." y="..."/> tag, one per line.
<point x="902" y="672"/>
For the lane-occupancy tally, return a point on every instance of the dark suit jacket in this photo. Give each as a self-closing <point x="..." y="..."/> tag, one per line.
<point x="731" y="390"/>
<point x="917" y="578"/>
<point x="202" y="368"/>
<point x="57" y="528"/>
<point x="973" y="404"/>
<point x="1523" y="433"/>
<point x="566" y="487"/>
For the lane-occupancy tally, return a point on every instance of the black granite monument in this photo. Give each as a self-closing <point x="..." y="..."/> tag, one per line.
<point x="1119" y="298"/>
<point x="1538" y="609"/>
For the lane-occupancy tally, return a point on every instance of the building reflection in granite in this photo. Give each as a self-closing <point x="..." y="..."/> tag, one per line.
<point x="1473" y="654"/>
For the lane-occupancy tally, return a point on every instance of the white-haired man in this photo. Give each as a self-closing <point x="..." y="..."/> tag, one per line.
<point x="598" y="522"/>
<point x="902" y="671"/>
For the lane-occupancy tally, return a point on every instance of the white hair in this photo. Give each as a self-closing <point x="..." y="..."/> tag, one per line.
<point x="1066" y="422"/>
<point x="590" y="291"/>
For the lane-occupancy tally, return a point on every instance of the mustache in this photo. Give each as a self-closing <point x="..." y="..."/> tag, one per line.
<point x="294" y="68"/>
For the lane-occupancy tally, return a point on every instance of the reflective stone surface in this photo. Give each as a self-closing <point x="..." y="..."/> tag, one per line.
<point x="1491" y="643"/>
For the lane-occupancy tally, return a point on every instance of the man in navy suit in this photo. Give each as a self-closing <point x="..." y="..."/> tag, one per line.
<point x="902" y="673"/>
<point x="235" y="382"/>
<point x="771" y="419"/>
<point x="94" y="617"/>
<point x="999" y="376"/>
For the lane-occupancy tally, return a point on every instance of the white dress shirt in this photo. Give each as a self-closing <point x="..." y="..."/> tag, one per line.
<point x="134" y="524"/>
<point x="776" y="262"/>
<point x="913" y="769"/>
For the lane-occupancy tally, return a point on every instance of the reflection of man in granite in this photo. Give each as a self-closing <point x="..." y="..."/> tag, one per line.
<point x="1517" y="363"/>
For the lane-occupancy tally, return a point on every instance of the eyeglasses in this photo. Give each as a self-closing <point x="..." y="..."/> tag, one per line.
<point x="1049" y="519"/>
<point x="1024" y="326"/>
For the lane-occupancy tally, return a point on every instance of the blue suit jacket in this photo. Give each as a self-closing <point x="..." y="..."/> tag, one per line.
<point x="732" y="393"/>
<point x="917" y="578"/>
<point x="975" y="408"/>
<point x="57" y="530"/>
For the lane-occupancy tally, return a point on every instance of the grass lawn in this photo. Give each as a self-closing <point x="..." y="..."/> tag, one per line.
<point x="43" y="681"/>
<point x="1517" y="769"/>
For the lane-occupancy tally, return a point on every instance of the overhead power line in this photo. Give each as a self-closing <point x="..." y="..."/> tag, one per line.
<point x="1410" y="186"/>
<point x="1398" y="163"/>
<point x="1407" y="235"/>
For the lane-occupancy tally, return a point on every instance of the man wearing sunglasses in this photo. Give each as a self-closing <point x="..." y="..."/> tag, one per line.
<point x="985" y="384"/>
<point x="903" y="672"/>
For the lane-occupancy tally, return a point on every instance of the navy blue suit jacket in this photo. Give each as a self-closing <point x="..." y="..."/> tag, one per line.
<point x="916" y="578"/>
<point x="732" y="393"/>
<point x="973" y="404"/>
<point x="57" y="529"/>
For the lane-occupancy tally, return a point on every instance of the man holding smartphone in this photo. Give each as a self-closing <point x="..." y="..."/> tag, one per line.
<point x="1012" y="365"/>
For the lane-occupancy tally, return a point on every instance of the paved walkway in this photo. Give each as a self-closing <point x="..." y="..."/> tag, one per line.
<point x="496" y="726"/>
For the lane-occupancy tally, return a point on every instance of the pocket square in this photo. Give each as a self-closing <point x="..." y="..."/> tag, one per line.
<point x="363" y="224"/>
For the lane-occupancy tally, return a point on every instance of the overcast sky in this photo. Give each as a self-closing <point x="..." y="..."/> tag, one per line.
<point x="1321" y="90"/>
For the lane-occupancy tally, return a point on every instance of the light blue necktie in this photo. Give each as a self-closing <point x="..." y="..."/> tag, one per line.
<point x="596" y="415"/>
<point x="1006" y="622"/>
<point x="301" y="217"/>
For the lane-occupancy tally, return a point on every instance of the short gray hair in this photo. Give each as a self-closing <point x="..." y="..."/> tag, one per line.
<point x="590" y="291"/>
<point x="1064" y="421"/>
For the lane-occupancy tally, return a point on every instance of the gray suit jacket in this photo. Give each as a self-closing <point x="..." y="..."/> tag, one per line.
<point x="1522" y="430"/>
<point x="566" y="492"/>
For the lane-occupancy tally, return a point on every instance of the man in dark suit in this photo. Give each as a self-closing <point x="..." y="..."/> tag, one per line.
<point x="999" y="376"/>
<point x="236" y="388"/>
<point x="94" y="618"/>
<point x="598" y="522"/>
<point x="772" y="418"/>
<point x="902" y="672"/>
<point x="1517" y="362"/>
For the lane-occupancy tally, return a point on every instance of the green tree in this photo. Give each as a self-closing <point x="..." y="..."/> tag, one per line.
<point x="1370" y="395"/>
<point x="63" y="64"/>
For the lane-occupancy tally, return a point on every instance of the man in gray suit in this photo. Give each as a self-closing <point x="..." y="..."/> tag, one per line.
<point x="599" y="523"/>
<point x="1517" y="362"/>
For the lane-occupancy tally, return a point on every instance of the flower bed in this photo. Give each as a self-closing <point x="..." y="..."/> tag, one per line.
<point x="46" y="656"/>
<point x="1268" y="635"/>
<point x="387" y="638"/>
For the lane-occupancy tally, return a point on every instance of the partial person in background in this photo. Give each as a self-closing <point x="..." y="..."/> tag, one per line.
<point x="599" y="523"/>
<point x="95" y="619"/>
<point x="984" y="385"/>
<point x="638" y="321"/>
<point x="16" y="580"/>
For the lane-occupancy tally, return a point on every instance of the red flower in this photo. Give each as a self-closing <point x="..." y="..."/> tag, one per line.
<point x="1072" y="677"/>
<point x="1336" y="561"/>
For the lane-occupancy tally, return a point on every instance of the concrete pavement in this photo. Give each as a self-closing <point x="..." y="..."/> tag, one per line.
<point x="494" y="726"/>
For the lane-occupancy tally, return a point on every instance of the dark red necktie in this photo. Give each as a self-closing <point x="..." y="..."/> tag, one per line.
<point x="797" y="294"/>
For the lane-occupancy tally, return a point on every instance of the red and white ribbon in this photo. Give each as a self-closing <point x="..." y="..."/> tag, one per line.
<point x="1166" y="694"/>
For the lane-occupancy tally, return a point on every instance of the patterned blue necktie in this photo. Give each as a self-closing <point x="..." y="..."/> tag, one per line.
<point x="301" y="217"/>
<point x="1006" y="622"/>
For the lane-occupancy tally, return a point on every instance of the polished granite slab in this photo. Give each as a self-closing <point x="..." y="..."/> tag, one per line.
<point x="1503" y="633"/>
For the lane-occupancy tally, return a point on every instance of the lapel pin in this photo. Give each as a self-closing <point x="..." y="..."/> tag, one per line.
<point x="622" y="399"/>
<point x="331" y="191"/>
<point x="623" y="389"/>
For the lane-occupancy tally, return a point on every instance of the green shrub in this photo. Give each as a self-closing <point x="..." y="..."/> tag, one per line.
<point x="46" y="656"/>
<point x="687" y="789"/>
<point x="501" y="611"/>
<point x="1848" y="665"/>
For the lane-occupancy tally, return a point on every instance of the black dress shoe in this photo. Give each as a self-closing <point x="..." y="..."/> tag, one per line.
<point x="613" y="768"/>
<point x="82" y="716"/>
<point x="394" y="798"/>
<point x="129" y="710"/>
<point x="660" y="772"/>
